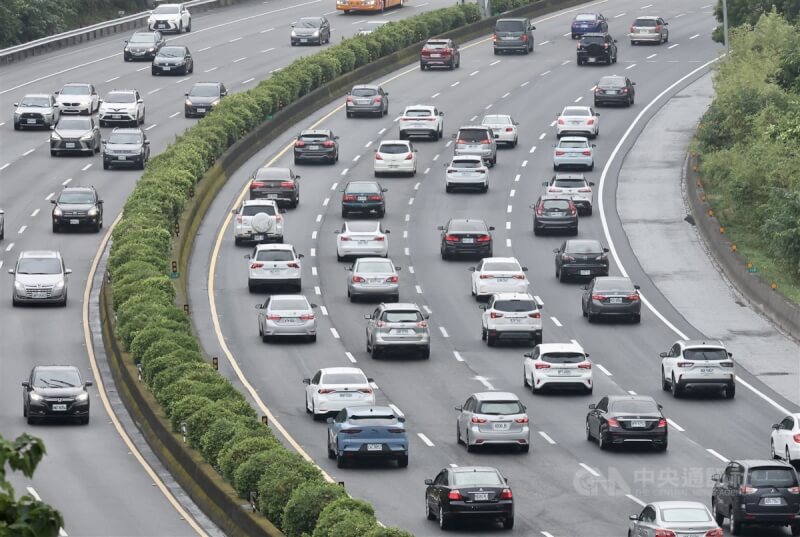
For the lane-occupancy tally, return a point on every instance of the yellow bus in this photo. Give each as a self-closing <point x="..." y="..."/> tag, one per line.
<point x="367" y="5"/>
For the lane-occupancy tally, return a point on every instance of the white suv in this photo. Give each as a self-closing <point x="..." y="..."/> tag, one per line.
<point x="696" y="364"/>
<point x="565" y="365"/>
<point x="274" y="264"/>
<point x="258" y="221"/>
<point x="576" y="187"/>
<point x="170" y="18"/>
<point x="511" y="315"/>
<point x="121" y="107"/>
<point x="421" y="120"/>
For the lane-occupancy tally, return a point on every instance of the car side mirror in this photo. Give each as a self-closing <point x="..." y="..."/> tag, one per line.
<point x="348" y="268"/>
<point x="247" y="256"/>
<point x="306" y="381"/>
<point x="440" y="228"/>
<point x="660" y="407"/>
<point x="663" y="354"/>
<point x="730" y="355"/>
<point x="88" y="383"/>
<point x="633" y="517"/>
<point x="387" y="231"/>
<point x="524" y="269"/>
<point x="386" y="93"/>
<point x="615" y="41"/>
<point x="471" y="269"/>
<point x="586" y="287"/>
<point x="533" y="27"/>
<point x="591" y="183"/>
<point x="633" y="83"/>
<point x="605" y="250"/>
<point x="68" y="271"/>
<point x="545" y="183"/>
<point x="401" y="419"/>
<point x="481" y="306"/>
<point x="453" y="136"/>
<point x="441" y="113"/>
<point x="556" y="250"/>
<point x="491" y="228"/>
<point x="594" y="145"/>
<point x="186" y="94"/>
<point x="429" y="482"/>
<point x="52" y="127"/>
<point x="367" y="316"/>
<point x="147" y="142"/>
<point x="384" y="190"/>
<point x="496" y="136"/>
<point x="336" y="232"/>
<point x="297" y="177"/>
<point x="398" y="269"/>
<point x="300" y="256"/>
<point x="458" y="408"/>
<point x="666" y="24"/>
<point x="291" y="25"/>
<point x="53" y="202"/>
<point x="370" y="379"/>
<point x="528" y="355"/>
<point x="415" y="151"/>
<point x="597" y="114"/>
<point x="100" y="101"/>
<point x="259" y="306"/>
<point x="716" y="478"/>
<point x="592" y="406"/>
<point x="636" y="287"/>
<point x="103" y="142"/>
<point x="329" y="420"/>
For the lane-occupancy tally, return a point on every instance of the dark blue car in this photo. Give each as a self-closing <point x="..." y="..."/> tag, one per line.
<point x="588" y="22"/>
<point x="373" y="432"/>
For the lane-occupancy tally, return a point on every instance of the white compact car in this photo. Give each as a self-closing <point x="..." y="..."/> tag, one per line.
<point x="504" y="128"/>
<point x="573" y="152"/>
<point x="362" y="238"/>
<point x="576" y="187"/>
<point x="77" y="99"/>
<point x="287" y="316"/>
<point x="467" y="171"/>
<point x="421" y="120"/>
<point x="784" y="440"/>
<point x="395" y="156"/>
<point x="557" y="365"/>
<point x="498" y="275"/>
<point x="578" y="121"/>
<point x="274" y="264"/>
<point x="258" y="220"/>
<point x="121" y="107"/>
<point x="170" y="18"/>
<point x="511" y="316"/>
<point x="692" y="365"/>
<point x="333" y="388"/>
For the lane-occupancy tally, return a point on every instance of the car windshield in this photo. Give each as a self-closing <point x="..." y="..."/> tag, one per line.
<point x="645" y="22"/>
<point x="374" y="267"/>
<point x="586" y="17"/>
<point x="120" y="97"/>
<point x="509" y="26"/>
<point x="476" y="478"/>
<point x="362" y="227"/>
<point x="583" y="247"/>
<point x="363" y="92"/>
<point x="401" y="316"/>
<point x="773" y="477"/>
<point x="496" y="120"/>
<point x="274" y="255"/>
<point x="501" y="266"/>
<point x="39" y="265"/>
<point x="633" y="406"/>
<point x="575" y="144"/>
<point x="500" y="408"/>
<point x="575" y="111"/>
<point x="125" y="138"/>
<point x="288" y="304"/>
<point x="613" y="286"/>
<point x="74" y="124"/>
<point x="685" y="514"/>
<point x="705" y="354"/>
<point x="473" y="136"/>
<point x="309" y="23"/>
<point x="466" y="163"/>
<point x="75" y="90"/>
<point x="171" y="52"/>
<point x="252" y="210"/>
<point x="515" y="305"/>
<point x="343" y="378"/>
<point x="556" y="205"/>
<point x="393" y="149"/>
<point x="593" y="39"/>
<point x="54" y="378"/>
<point x="166" y="9"/>
<point x="272" y="173"/>
<point x="569" y="183"/>
<point x="563" y="357"/>
<point x="80" y="198"/>
<point x="466" y="227"/>
<point x="314" y="137"/>
<point x="363" y="188"/>
<point x="35" y="102"/>
<point x="418" y="112"/>
<point x="142" y="38"/>
<point x="611" y="82"/>
<point x="204" y="90"/>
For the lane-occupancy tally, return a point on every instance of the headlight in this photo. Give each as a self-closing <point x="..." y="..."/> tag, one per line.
<point x="82" y="397"/>
<point x="92" y="211"/>
<point x="294" y="34"/>
<point x="316" y="33"/>
<point x="87" y="136"/>
<point x="215" y="103"/>
<point x="57" y="212"/>
<point x="188" y="102"/>
<point x="54" y="136"/>
<point x="151" y="49"/>
<point x="126" y="49"/>
<point x="59" y="285"/>
<point x="19" y="287"/>
<point x="17" y="113"/>
<point x="35" y="396"/>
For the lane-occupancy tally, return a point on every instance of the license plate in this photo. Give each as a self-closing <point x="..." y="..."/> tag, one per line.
<point x="122" y="157"/>
<point x="201" y="110"/>
<point x="772" y="501"/>
<point x="611" y="92"/>
<point x="473" y="147"/>
<point x="116" y="116"/>
<point x="30" y="121"/>
<point x="706" y="370"/>
<point x="70" y="145"/>
<point x="313" y="147"/>
<point x="304" y="40"/>
<point x="258" y="237"/>
<point x="615" y="300"/>
<point x="375" y="280"/>
<point x="502" y="426"/>
<point x="290" y="320"/>
<point x="638" y="423"/>
<point x="272" y="196"/>
<point x="374" y="447"/>
<point x="166" y="68"/>
<point x="586" y="272"/>
<point x="515" y="321"/>
<point x="362" y="198"/>
<point x="38" y="294"/>
<point x="401" y="331"/>
<point x="363" y="101"/>
<point x="502" y="280"/>
<point x="468" y="241"/>
<point x="345" y="395"/>
<point x="62" y="407"/>
<point x="362" y="243"/>
<point x="275" y="271"/>
<point x="162" y="25"/>
<point x="394" y="166"/>
<point x="564" y="372"/>
<point x="481" y="496"/>
<point x="592" y="60"/>
<point x="436" y="55"/>
<point x="74" y="221"/>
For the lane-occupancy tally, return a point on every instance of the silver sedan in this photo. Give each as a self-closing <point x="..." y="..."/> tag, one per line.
<point x="674" y="518"/>
<point x="287" y="316"/>
<point x="493" y="418"/>
<point x="373" y="276"/>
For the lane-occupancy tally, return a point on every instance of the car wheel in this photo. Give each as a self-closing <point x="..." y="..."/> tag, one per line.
<point x="444" y="523"/>
<point x="483" y="335"/>
<point x="591" y="316"/>
<point x="31" y="421"/>
<point x="772" y="453"/>
<point x="312" y="338"/>
<point x="452" y="65"/>
<point x="677" y="391"/>
<point x="491" y="340"/>
<point x="56" y="228"/>
<point x="430" y="515"/>
<point x="426" y="353"/>
<point x="402" y="461"/>
<point x="340" y="461"/>
<point x="719" y="518"/>
<point x="664" y="383"/>
<point x="470" y="447"/>
<point x="636" y="318"/>
<point x="252" y="287"/>
<point x="734" y="525"/>
<point x="730" y="393"/>
<point x="508" y="522"/>
<point x="331" y="452"/>
<point x="601" y="443"/>
<point x="589" y="436"/>
<point x="85" y="420"/>
<point x="447" y="188"/>
<point x="24" y="411"/>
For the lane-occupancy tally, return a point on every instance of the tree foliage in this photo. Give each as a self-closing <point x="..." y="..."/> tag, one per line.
<point x="747" y="12"/>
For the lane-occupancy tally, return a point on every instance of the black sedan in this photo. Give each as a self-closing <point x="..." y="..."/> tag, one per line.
<point x="614" y="90"/>
<point x="581" y="258"/>
<point x="173" y="61"/>
<point x="203" y="97"/>
<point x="465" y="236"/>
<point x="553" y="212"/>
<point x="613" y="297"/>
<point x="279" y="184"/>
<point x="363" y="197"/>
<point x="76" y="207"/>
<point x="143" y="46"/>
<point x="316" y="145"/>
<point x="627" y="419"/>
<point x="55" y="391"/>
<point x="469" y="492"/>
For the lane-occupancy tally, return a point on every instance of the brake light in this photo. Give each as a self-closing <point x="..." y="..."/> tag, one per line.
<point x="380" y="324"/>
<point x="613" y="422"/>
<point x="392" y="279"/>
<point x="358" y="279"/>
<point x="624" y="90"/>
<point x="590" y="122"/>
<point x="410" y="156"/>
<point x="273" y="317"/>
<point x="586" y="152"/>
<point x="553" y="189"/>
<point x="634" y="297"/>
<point x="486" y="276"/>
<point x="796" y="437"/>
<point x="483" y="238"/>
<point x="518" y="276"/>
<point x="287" y="184"/>
<point x="664" y="533"/>
<point x="599" y="91"/>
<point x="585" y="365"/>
<point x="542" y="365"/>
<point x="292" y="265"/>
<point x="716" y="532"/>
<point x="256" y="265"/>
<point x="351" y="431"/>
<point x="451" y="238"/>
<point x="422" y="324"/>
<point x="494" y="37"/>
<point x="509" y="129"/>
<point x="662" y="423"/>
<point x="598" y="297"/>
<point x="658" y="27"/>
<point x="559" y="153"/>
<point x="349" y="99"/>
<point x="278" y="218"/>
<point x="307" y="316"/>
<point x="535" y="315"/>
<point x="425" y="52"/>
<point x="446" y="51"/>
<point x="238" y="219"/>
<point x="344" y="238"/>
<point x="585" y="189"/>
<point x="495" y="315"/>
<point x="326" y="390"/>
<point x="365" y="390"/>
<point x="560" y="121"/>
<point x="460" y="141"/>
<point x="747" y="489"/>
<point x="580" y="46"/>
<point x="476" y="419"/>
<point x="377" y="99"/>
<point x="379" y="239"/>
<point x="685" y="364"/>
<point x="521" y="420"/>
<point x="525" y="37"/>
<point x="539" y="209"/>
<point x="506" y="494"/>
<point x="257" y="184"/>
<point x="299" y="143"/>
<point x="451" y="170"/>
<point x="454" y="495"/>
<point x="378" y="156"/>
<point x="349" y="197"/>
<point x="374" y="198"/>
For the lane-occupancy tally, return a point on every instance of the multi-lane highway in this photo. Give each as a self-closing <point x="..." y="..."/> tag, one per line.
<point x="565" y="486"/>
<point x="89" y="473"/>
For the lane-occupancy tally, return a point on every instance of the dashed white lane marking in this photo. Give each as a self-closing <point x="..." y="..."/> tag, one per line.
<point x="579" y="99"/>
<point x="524" y="162"/>
<point x="589" y="469"/>
<point x="317" y="290"/>
<point x="435" y="95"/>
<point x="34" y="213"/>
<point x="509" y="209"/>
<point x="652" y="56"/>
<point x="50" y="195"/>
<point x="618" y="15"/>
<point x="542" y="137"/>
<point x="9" y="247"/>
<point x="604" y="370"/>
<point x="154" y="91"/>
<point x="695" y="36"/>
<point x="359" y="22"/>
<point x="516" y="177"/>
<point x="505" y="95"/>
<point x="234" y="40"/>
<point x="411" y="201"/>
<point x="425" y="439"/>
<point x="508" y="243"/>
<point x="350" y="356"/>
<point x="679" y="15"/>
<point x="418" y="289"/>
<point x="567" y="34"/>
<point x="485" y="382"/>
<point x="204" y="49"/>
<point x="334" y="185"/>
<point x="511" y="194"/>
<point x="175" y="114"/>
<point x="334" y="332"/>
<point x="675" y="425"/>
<point x="313" y="271"/>
<point x="449" y="143"/>
<point x="556" y="322"/>
<point x="112" y="79"/>
<point x="495" y="62"/>
<point x="325" y="202"/>
<point x="454" y="84"/>
<point x="631" y="66"/>
<point x="717" y="455"/>
<point x="631" y="392"/>
<point x="247" y="81"/>
<point x="212" y="69"/>
<point x="406" y="251"/>
<point x="416" y="186"/>
<point x="524" y="83"/>
<point x="314" y="235"/>
<point x="405" y="235"/>
<point x="270" y="29"/>
<point x="313" y="252"/>
<point x="547" y="438"/>
<point x="533" y="149"/>
<point x="4" y="166"/>
<point x="355" y="159"/>
<point x="22" y="229"/>
<point x="382" y="131"/>
<point x="86" y="167"/>
<point x="267" y="50"/>
<point x="443" y="331"/>
<point x="575" y="342"/>
<point x="368" y="144"/>
<point x="565" y="62"/>
<point x="473" y="73"/>
<point x="488" y="106"/>
<point x="473" y="118"/>
<point x="396" y="410"/>
<point x="635" y="499"/>
<point x="458" y="356"/>
<point x="408" y="217"/>
<point x="553" y="123"/>
<point x="673" y="46"/>
<point x="66" y="181"/>
<point x="182" y="80"/>
<point x="508" y="225"/>
<point x="546" y="73"/>
<point x="142" y="68"/>
<point x="324" y="310"/>
<point x="543" y="43"/>
<point x="410" y="269"/>
<point x="344" y="171"/>
<point x="427" y="309"/>
<point x="28" y="152"/>
<point x="153" y="126"/>
<point x="645" y="7"/>
<point x="453" y="465"/>
<point x="319" y="218"/>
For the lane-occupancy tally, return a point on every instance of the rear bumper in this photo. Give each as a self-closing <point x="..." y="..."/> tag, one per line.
<point x="308" y="328"/>
<point x="468" y="249"/>
<point x="315" y="155"/>
<point x="704" y="383"/>
<point x="401" y="166"/>
<point x="582" y="381"/>
<point x="376" y="109"/>
<point x="511" y="45"/>
<point x="502" y="508"/>
<point x="480" y="438"/>
<point x="634" y="308"/>
<point x="768" y="518"/>
<point x="584" y="56"/>
<point x="488" y="290"/>
<point x="633" y="437"/>
<point x="362" y="207"/>
<point x="616" y="98"/>
<point x="547" y="223"/>
<point x="579" y="270"/>
<point x="449" y="60"/>
<point x="374" y="290"/>
<point x="645" y="37"/>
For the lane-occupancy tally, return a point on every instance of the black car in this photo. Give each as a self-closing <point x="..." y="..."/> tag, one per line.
<point x="316" y="145"/>
<point x="611" y="296"/>
<point x="55" y="391"/>
<point x="440" y="53"/>
<point x="77" y="206"/>
<point x="554" y="212"/>
<point x="311" y="31"/>
<point x="581" y="259"/>
<point x="367" y="99"/>
<point x="126" y="147"/>
<point x="143" y="46"/>
<point x="469" y="492"/>
<point x="627" y="419"/>
<point x="173" y="61"/>
<point x="597" y="47"/>
<point x="203" y="97"/>
<point x="278" y="184"/>
<point x="363" y="197"/>
<point x="466" y="236"/>
<point x="614" y="90"/>
<point x="757" y="492"/>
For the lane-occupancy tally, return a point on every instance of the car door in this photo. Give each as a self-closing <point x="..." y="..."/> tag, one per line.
<point x="335" y="427"/>
<point x="597" y="416"/>
<point x="784" y="435"/>
<point x="371" y="323"/>
<point x="529" y="363"/>
<point x="587" y="294"/>
<point x="672" y="357"/>
<point x="436" y="490"/>
<point x="185" y="17"/>
<point x="644" y="527"/>
<point x="312" y="388"/>
<point x="465" y="415"/>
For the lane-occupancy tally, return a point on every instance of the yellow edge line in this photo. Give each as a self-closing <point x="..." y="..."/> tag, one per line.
<point x="102" y="392"/>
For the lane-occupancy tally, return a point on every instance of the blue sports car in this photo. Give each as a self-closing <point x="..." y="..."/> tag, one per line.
<point x="369" y="432"/>
<point x="588" y="22"/>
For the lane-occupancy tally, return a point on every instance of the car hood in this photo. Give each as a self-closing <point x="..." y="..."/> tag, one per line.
<point x="198" y="99"/>
<point x="65" y="392"/>
<point x="33" y="110"/>
<point x="32" y="280"/>
<point x="71" y="133"/>
<point x="165" y="17"/>
<point x="73" y="98"/>
<point x="305" y="31"/>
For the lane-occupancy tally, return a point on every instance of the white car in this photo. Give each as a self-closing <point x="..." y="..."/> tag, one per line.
<point x="170" y="18"/>
<point x="576" y="187"/>
<point x="578" y="120"/>
<point x="692" y="365"/>
<point x="512" y="316"/>
<point x="563" y="365"/>
<point x="77" y="99"/>
<point x="121" y="107"/>
<point x="503" y="126"/>
<point x="258" y="220"/>
<point x="467" y="171"/>
<point x="333" y="388"/>
<point x="573" y="152"/>
<point x="371" y="27"/>
<point x="274" y="264"/>
<point x="421" y="120"/>
<point x="498" y="275"/>
<point x="362" y="238"/>
<point x="784" y="440"/>
<point x="287" y="316"/>
<point x="395" y="156"/>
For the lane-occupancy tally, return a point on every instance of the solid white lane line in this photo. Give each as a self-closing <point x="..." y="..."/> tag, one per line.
<point x="458" y="356"/>
<point x="153" y="126"/>
<point x="579" y="99"/>
<point x="673" y="46"/>
<point x="350" y="356"/>
<point x="631" y="66"/>
<point x="66" y="181"/>
<point x="28" y="152"/>
<point x="425" y="439"/>
<point x="325" y="202"/>
<point x="635" y="499"/>
<point x="86" y="167"/>
<point x="334" y="332"/>
<point x="695" y="36"/>
<point x="396" y="410"/>
<point x="418" y="289"/>
<point x="556" y="322"/>
<point x="485" y="382"/>
<point x="675" y="425"/>
<point x="34" y="213"/>
<point x="652" y="56"/>
<point x="22" y="229"/>
<point x="112" y="79"/>
<point x="473" y="73"/>
<point x="717" y="455"/>
<point x="508" y="243"/>
<point x="604" y="370"/>
<point x="313" y="252"/>
<point x="589" y="469"/>
<point x="175" y="114"/>
<point x="443" y="331"/>
<point x="317" y="290"/>
<point x="50" y="195"/>
<point x="547" y="438"/>
<point x="324" y="310"/>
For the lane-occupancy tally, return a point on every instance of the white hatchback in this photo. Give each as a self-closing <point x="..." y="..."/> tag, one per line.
<point x="503" y="126"/>
<point x="498" y="275"/>
<point x="274" y="264"/>
<point x="467" y="171"/>
<point x="512" y="316"/>
<point x="578" y="121"/>
<point x="362" y="238"/>
<point x="395" y="156"/>
<point x="563" y="365"/>
<point x="333" y="388"/>
<point x="784" y="439"/>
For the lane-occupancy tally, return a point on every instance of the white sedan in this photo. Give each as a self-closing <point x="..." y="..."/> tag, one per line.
<point x="578" y="121"/>
<point x="785" y="439"/>
<point x="467" y="171"/>
<point x="395" y="156"/>
<point x="565" y="365"/>
<point x="498" y="275"/>
<point x="503" y="126"/>
<point x="362" y="238"/>
<point x="333" y="388"/>
<point x="274" y="264"/>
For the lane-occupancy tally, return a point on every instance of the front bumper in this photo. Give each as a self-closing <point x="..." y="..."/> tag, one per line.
<point x="75" y="109"/>
<point x="28" y="121"/>
<point x="169" y="69"/>
<point x="44" y="409"/>
<point x="76" y="221"/>
<point x="118" y="117"/>
<point x="40" y="296"/>
<point x="123" y="160"/>
<point x="306" y="40"/>
<point x="72" y="146"/>
<point x="196" y="110"/>
<point x="145" y="54"/>
<point x="164" y="26"/>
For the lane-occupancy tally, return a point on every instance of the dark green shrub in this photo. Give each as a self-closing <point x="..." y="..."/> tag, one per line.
<point x="147" y="336"/>
<point x="185" y="407"/>
<point x="286" y="471"/>
<point x="204" y="416"/>
<point x="152" y="367"/>
<point x="306" y="503"/>
<point x="235" y="454"/>
<point x="172" y="343"/>
<point x="378" y="531"/>
<point x="221" y="431"/>
<point x="353" y="524"/>
<point x="335" y="511"/>
<point x="247" y="475"/>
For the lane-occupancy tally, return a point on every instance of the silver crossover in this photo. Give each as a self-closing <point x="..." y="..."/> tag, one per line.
<point x="674" y="518"/>
<point x="373" y="276"/>
<point x="493" y="418"/>
<point x="287" y="315"/>
<point x="39" y="277"/>
<point x="400" y="327"/>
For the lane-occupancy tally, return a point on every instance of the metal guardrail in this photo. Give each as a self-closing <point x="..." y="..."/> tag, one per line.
<point x="88" y="33"/>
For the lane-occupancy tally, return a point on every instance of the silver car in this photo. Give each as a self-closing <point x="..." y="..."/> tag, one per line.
<point x="493" y="418"/>
<point x="35" y="110"/>
<point x="75" y="135"/>
<point x="573" y="152"/>
<point x="287" y="315"/>
<point x="650" y="29"/>
<point x="39" y="277"/>
<point x="477" y="140"/>
<point x="373" y="276"/>
<point x="400" y="327"/>
<point x="690" y="519"/>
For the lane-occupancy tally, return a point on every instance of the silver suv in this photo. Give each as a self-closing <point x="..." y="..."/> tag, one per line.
<point x="39" y="277"/>
<point x="477" y="140"/>
<point x="695" y="364"/>
<point x="258" y="221"/>
<point x="400" y="326"/>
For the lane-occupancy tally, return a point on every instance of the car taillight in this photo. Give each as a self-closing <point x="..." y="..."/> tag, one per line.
<point x="410" y="156"/>
<point x="716" y="532"/>
<point x="599" y="91"/>
<point x="624" y="90"/>
<point x="349" y="197"/>
<point x="287" y="184"/>
<point x="658" y="27"/>
<point x="349" y="99"/>
<point x="634" y="297"/>
<point x="377" y="99"/>
<point x="539" y="209"/>
<point x="495" y="315"/>
<point x="422" y="324"/>
<point x="506" y="494"/>
<point x="380" y="324"/>
<point x="586" y="152"/>
<point x="559" y="153"/>
<point x="572" y="210"/>
<point x="590" y="122"/>
<point x="494" y="37"/>
<point x="451" y="170"/>
<point x="518" y="276"/>
<point x="374" y="198"/>
<point x="392" y="279"/>
<point x="365" y="390"/>
<point x="560" y="121"/>
<point x="486" y="276"/>
<point x="460" y="141"/>
<point x="664" y="533"/>
<point x="351" y="431"/>
<point x="446" y="51"/>
<point x="256" y="265"/>
<point x="395" y="430"/>
<point x="327" y="143"/>
<point x="278" y="218"/>
<point x="344" y="238"/>
<point x="292" y="265"/>
<point x="554" y="189"/>
<point x="307" y="316"/>
<point x="796" y="438"/>
<point x="585" y="189"/>
<point x="535" y="315"/>
<point x="483" y="238"/>
<point x="509" y="129"/>
<point x="685" y="364"/>
<point x="542" y="365"/>
<point x="525" y="37"/>
<point x="728" y="364"/>
<point x="326" y="390"/>
<point x="358" y="279"/>
<point x="273" y="317"/>
<point x="585" y="365"/>
<point x="793" y="490"/>
<point x="485" y="142"/>
<point x="379" y="239"/>
<point x="476" y="419"/>
<point x="662" y="423"/>
<point x="454" y="495"/>
<point x="747" y="489"/>
<point x="632" y="29"/>
<point x="613" y="422"/>
<point x="598" y="297"/>
<point x="521" y="420"/>
<point x="238" y="219"/>
<point x="257" y="184"/>
<point x="451" y="238"/>
<point x="425" y="52"/>
<point x="299" y="143"/>
<point x="580" y="46"/>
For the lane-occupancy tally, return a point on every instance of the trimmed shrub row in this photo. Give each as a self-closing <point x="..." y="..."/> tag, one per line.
<point x="220" y="423"/>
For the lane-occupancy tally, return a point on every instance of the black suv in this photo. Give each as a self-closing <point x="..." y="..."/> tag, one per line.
<point x="126" y="147"/>
<point x="465" y="236"/>
<point x="278" y="184"/>
<point x="758" y="492"/>
<point x="202" y="98"/>
<point x="317" y="145"/>
<point x="597" y="48"/>
<point x="143" y="46"/>
<point x="77" y="206"/>
<point x="581" y="259"/>
<point x="55" y="391"/>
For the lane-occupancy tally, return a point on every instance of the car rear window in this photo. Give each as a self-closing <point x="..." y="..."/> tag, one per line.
<point x="496" y="120"/>
<point x="374" y="420"/>
<point x="313" y="137"/>
<point x="509" y="26"/>
<point x="645" y="22"/>
<point x="479" y="477"/>
<point x="573" y="144"/>
<point x="575" y="111"/>
<point x="274" y="255"/>
<point x="364" y="188"/>
<point x="473" y="136"/>
<point x="418" y="112"/>
<point x="272" y="173"/>
<point x="593" y="40"/>
<point x="500" y="408"/>
<point x="467" y="227"/>
<point x="685" y="514"/>
<point x="343" y="378"/>
<point x="401" y="316"/>
<point x="773" y="477"/>
<point x="586" y="17"/>
<point x="364" y="92"/>
<point x="611" y="82"/>
<point x="466" y="163"/>
<point x="613" y="286"/>
<point x="569" y="183"/>
<point x="436" y="44"/>
<point x="635" y="407"/>
<point x="252" y="210"/>
<point x="705" y="354"/>
<point x="374" y="267"/>
<point x="563" y="357"/>
<point x="56" y="378"/>
<point x="288" y="304"/>
<point x="583" y="247"/>
<point x="362" y="227"/>
<point x="515" y="305"/>
<point x="393" y="149"/>
<point x="501" y="266"/>
<point x="561" y="205"/>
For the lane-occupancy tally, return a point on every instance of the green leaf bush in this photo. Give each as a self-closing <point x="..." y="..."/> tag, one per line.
<point x="305" y="505"/>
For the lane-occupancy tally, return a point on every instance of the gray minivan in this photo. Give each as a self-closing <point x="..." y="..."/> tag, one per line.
<point x="513" y="35"/>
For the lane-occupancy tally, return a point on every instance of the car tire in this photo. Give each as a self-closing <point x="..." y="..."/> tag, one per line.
<point x="84" y="420"/>
<point x="773" y="455"/>
<point x="536" y="231"/>
<point x="664" y="382"/>
<point x="470" y="447"/>
<point x="331" y="453"/>
<point x="426" y="353"/>
<point x="252" y="287"/>
<point x="341" y="462"/>
<point x="394" y="298"/>
<point x="491" y="340"/>
<point x="376" y="352"/>
<point x="349" y="114"/>
<point x="636" y="318"/>
<point x="312" y="338"/>
<point x="589" y="436"/>
<point x="591" y="317"/>
<point x="574" y="231"/>
<point x="483" y="334"/>
<point x="430" y="515"/>
<point x="444" y="522"/>
<point x="402" y="461"/>
<point x="719" y="518"/>
<point x="591" y="167"/>
<point x="508" y="522"/>
<point x="344" y="213"/>
<point x="730" y="393"/>
<point x="452" y="65"/>
<point x="448" y="188"/>
<point x="56" y="228"/>
<point x="677" y="390"/>
<point x="601" y="442"/>
<point x="31" y="421"/>
<point x="734" y="526"/>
